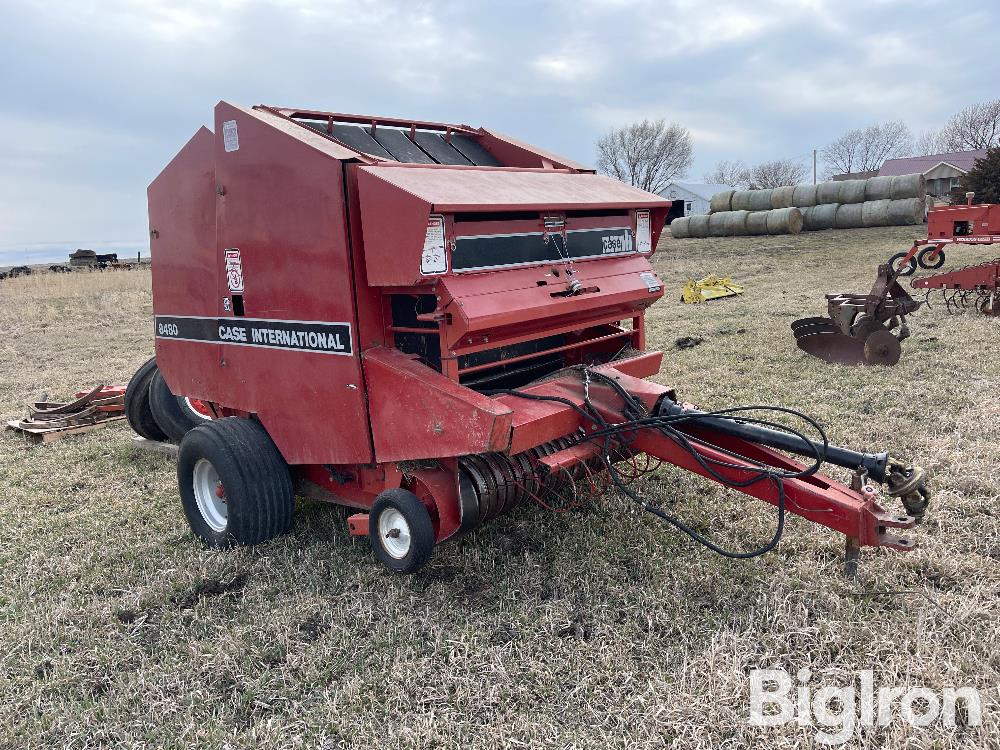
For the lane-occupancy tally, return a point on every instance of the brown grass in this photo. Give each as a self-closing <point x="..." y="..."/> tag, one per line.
<point x="598" y="629"/>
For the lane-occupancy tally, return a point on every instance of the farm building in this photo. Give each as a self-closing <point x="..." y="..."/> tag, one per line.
<point x="690" y="198"/>
<point x="943" y="171"/>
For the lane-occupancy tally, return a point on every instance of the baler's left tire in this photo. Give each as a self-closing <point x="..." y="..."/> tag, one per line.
<point x="401" y="531"/>
<point x="138" y="410"/>
<point x="169" y="411"/>
<point x="235" y="486"/>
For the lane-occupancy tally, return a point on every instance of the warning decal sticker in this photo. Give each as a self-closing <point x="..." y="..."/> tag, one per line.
<point x="649" y="279"/>
<point x="295" y="335"/>
<point x="433" y="259"/>
<point x="234" y="270"/>
<point x="230" y="136"/>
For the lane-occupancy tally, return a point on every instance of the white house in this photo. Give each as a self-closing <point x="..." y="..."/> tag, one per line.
<point x="690" y="198"/>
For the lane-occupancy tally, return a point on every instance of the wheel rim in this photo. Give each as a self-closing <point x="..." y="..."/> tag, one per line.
<point x="199" y="408"/>
<point x="394" y="533"/>
<point x="210" y="495"/>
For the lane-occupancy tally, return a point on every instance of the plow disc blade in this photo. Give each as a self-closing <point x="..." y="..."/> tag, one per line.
<point x="831" y="346"/>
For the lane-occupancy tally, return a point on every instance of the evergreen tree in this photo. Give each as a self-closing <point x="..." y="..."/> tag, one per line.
<point x="983" y="179"/>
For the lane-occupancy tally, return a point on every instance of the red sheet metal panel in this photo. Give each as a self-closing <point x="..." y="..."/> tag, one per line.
<point x="182" y="241"/>
<point x="410" y="194"/>
<point x="419" y="413"/>
<point x="491" y="302"/>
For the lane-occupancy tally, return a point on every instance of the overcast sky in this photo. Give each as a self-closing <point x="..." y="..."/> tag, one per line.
<point x="98" y="96"/>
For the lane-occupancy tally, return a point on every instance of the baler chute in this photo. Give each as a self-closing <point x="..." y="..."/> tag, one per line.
<point x="433" y="323"/>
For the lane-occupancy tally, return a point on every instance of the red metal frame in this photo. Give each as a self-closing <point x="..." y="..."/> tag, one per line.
<point x="984" y="219"/>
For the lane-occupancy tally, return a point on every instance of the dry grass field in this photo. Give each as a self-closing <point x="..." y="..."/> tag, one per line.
<point x="597" y="629"/>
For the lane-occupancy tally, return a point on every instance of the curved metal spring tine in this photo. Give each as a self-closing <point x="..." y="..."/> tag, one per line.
<point x="927" y="298"/>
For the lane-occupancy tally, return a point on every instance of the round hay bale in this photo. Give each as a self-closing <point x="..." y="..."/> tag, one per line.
<point x="698" y="225"/>
<point x="908" y="186"/>
<point x="736" y="223"/>
<point x="821" y="217"/>
<point x="782" y="197"/>
<point x="827" y="192"/>
<point x="721" y="201"/>
<point x="804" y="196"/>
<point x="679" y="228"/>
<point x="717" y="224"/>
<point x="849" y="215"/>
<point x="852" y="191"/>
<point x="784" y="221"/>
<point x="875" y="213"/>
<point x="878" y="188"/>
<point x="760" y="200"/>
<point x="741" y="200"/>
<point x="906" y="211"/>
<point x="757" y="222"/>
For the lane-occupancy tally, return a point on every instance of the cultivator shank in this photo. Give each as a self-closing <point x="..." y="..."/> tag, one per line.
<point x="976" y="286"/>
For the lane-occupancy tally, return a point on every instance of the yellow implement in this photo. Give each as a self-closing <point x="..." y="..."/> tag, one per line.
<point x="710" y="287"/>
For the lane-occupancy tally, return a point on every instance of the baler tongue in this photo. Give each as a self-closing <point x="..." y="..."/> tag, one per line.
<point x="858" y="329"/>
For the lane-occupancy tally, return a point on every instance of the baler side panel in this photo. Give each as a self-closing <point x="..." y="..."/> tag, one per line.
<point x="418" y="413"/>
<point x="182" y="243"/>
<point x="284" y="208"/>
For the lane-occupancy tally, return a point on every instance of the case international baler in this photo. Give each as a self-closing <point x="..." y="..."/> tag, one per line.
<point x="433" y="323"/>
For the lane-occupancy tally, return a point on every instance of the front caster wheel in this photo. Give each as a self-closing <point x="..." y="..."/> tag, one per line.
<point x="930" y="258"/>
<point x="401" y="531"/>
<point x="235" y="486"/>
<point x="908" y="270"/>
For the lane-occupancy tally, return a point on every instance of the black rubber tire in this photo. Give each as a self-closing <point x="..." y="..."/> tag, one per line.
<point x="260" y="501"/>
<point x="421" y="530"/>
<point x="911" y="267"/>
<point x="138" y="411"/>
<point x="174" y="420"/>
<point x="922" y="255"/>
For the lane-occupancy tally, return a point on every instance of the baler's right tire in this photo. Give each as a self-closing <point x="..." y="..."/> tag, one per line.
<point x="235" y="486"/>
<point x="175" y="420"/>
<point x="401" y="531"/>
<point x="138" y="411"/>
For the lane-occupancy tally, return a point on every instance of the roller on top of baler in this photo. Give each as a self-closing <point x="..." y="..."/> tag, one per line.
<point x="433" y="323"/>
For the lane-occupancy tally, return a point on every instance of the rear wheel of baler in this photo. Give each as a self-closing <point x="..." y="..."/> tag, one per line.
<point x="401" y="531"/>
<point x="235" y="486"/>
<point x="138" y="410"/>
<point x="172" y="413"/>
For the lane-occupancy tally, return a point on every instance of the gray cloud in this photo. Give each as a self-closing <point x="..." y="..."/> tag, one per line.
<point x="99" y="95"/>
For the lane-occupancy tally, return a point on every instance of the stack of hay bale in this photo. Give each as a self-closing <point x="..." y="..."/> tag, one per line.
<point x="848" y="204"/>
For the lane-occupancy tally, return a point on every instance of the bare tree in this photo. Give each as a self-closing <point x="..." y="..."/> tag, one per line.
<point x="732" y="173"/>
<point x="777" y="173"/>
<point x="975" y="127"/>
<point x="864" y="149"/>
<point x="930" y="142"/>
<point x="647" y="155"/>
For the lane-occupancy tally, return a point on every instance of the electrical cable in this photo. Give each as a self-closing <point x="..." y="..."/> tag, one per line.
<point x="637" y="418"/>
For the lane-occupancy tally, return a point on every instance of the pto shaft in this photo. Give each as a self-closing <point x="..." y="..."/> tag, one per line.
<point x="876" y="464"/>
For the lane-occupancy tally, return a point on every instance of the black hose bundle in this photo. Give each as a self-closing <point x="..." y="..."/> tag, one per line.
<point x="620" y="434"/>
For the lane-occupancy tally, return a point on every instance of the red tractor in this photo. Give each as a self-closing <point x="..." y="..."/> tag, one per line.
<point x="432" y="323"/>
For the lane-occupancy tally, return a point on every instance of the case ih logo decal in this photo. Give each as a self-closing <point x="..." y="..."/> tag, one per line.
<point x="295" y="335"/>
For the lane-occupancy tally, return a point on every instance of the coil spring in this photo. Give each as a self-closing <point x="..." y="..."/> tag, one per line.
<point x="501" y="482"/>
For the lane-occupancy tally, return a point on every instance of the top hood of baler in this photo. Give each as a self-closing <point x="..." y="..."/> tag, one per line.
<point x="397" y="201"/>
